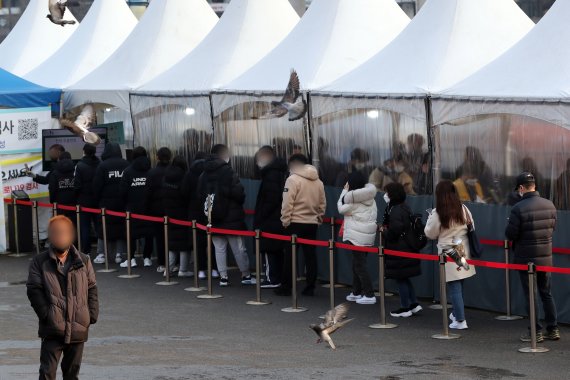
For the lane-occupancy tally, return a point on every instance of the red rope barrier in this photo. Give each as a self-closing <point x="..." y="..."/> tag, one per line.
<point x="275" y="236"/>
<point x="564" y="251"/>
<point x="541" y="268"/>
<point x="201" y="227"/>
<point x="91" y="210"/>
<point x="180" y="222"/>
<point x="66" y="208"/>
<point x="24" y="203"/>
<point x="495" y="243"/>
<point x="232" y="232"/>
<point x="7" y="200"/>
<point x="116" y="213"/>
<point x="420" y="256"/>
<point x="45" y="205"/>
<point x="156" y="219"/>
<point x="316" y="243"/>
<point x="492" y="264"/>
<point x="356" y="248"/>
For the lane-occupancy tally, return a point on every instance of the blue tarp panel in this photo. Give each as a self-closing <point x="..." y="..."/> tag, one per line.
<point x="19" y="93"/>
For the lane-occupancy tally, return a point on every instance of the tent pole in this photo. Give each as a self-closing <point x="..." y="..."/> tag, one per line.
<point x="307" y="128"/>
<point x="61" y="106"/>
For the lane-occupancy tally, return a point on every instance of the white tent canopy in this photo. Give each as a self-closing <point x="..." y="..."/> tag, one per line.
<point x="535" y="71"/>
<point x="332" y="38"/>
<point x="447" y="41"/>
<point x="168" y="30"/>
<point x="101" y="32"/>
<point x="33" y="39"/>
<point x="247" y="31"/>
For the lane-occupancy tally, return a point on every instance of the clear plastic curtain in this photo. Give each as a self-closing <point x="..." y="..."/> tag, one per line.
<point x="115" y="114"/>
<point x="182" y="124"/>
<point x="483" y="155"/>
<point x="244" y="129"/>
<point x="385" y="145"/>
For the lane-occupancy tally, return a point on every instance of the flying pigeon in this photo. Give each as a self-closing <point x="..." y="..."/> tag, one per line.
<point x="334" y="320"/>
<point x="82" y="124"/>
<point x="56" y="11"/>
<point x="290" y="104"/>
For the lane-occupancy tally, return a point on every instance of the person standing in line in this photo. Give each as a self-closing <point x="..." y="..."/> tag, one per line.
<point x="446" y="223"/>
<point x="396" y="224"/>
<point x="107" y="192"/>
<point x="196" y="212"/>
<point x="222" y="182"/>
<point x="135" y="193"/>
<point x="302" y="212"/>
<point x="83" y="184"/>
<point x="62" y="290"/>
<point x="61" y="188"/>
<point x="54" y="152"/>
<point x="530" y="228"/>
<point x="175" y="203"/>
<point x="358" y="206"/>
<point x="267" y="216"/>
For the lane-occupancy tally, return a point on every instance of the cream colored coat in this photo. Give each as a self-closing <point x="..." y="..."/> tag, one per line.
<point x="444" y="238"/>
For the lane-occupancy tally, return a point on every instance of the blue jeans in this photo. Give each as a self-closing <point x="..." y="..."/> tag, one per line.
<point x="543" y="284"/>
<point x="455" y="290"/>
<point x="407" y="293"/>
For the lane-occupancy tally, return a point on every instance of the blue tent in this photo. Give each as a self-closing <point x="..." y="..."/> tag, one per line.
<point x="19" y="93"/>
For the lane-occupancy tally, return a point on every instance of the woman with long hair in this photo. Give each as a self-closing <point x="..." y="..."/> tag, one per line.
<point x="446" y="223"/>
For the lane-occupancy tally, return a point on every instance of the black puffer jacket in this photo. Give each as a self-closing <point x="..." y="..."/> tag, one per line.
<point x="219" y="175"/>
<point x="106" y="189"/>
<point x="190" y="189"/>
<point x="135" y="193"/>
<point x="61" y="184"/>
<point x="269" y="200"/>
<point x="64" y="312"/>
<point x="396" y="223"/>
<point x="530" y="228"/>
<point x="156" y="176"/>
<point x="84" y="174"/>
<point x="175" y="203"/>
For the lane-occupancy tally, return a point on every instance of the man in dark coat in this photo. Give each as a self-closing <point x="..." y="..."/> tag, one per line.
<point x="196" y="212"/>
<point x="54" y="152"/>
<point x="222" y="183"/>
<point x="267" y="217"/>
<point x="135" y="193"/>
<point x="62" y="290"/>
<point x="83" y="183"/>
<point x="106" y="189"/>
<point x="155" y="208"/>
<point x="61" y="185"/>
<point x="530" y="228"/>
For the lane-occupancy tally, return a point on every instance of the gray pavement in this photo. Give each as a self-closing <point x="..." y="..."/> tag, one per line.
<point x="151" y="332"/>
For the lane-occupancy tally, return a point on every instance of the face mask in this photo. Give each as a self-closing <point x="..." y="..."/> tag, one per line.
<point x="227" y="160"/>
<point x="261" y="164"/>
<point x="386" y="198"/>
<point x="399" y="168"/>
<point x="360" y="165"/>
<point x="471" y="182"/>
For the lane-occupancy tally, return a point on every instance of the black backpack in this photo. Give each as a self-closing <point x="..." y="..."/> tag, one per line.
<point x="415" y="237"/>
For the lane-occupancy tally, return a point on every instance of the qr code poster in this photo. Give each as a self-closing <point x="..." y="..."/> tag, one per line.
<point x="20" y="129"/>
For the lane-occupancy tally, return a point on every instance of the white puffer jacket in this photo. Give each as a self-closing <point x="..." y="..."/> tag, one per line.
<point x="360" y="214"/>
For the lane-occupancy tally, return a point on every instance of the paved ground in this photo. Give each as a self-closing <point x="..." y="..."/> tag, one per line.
<point x="155" y="332"/>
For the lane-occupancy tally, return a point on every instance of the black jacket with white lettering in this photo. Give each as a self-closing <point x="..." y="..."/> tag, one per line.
<point x="135" y="192"/>
<point x="61" y="183"/>
<point x="84" y="173"/>
<point x="106" y="189"/>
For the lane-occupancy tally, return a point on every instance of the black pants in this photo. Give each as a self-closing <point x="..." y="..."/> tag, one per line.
<point x="305" y="231"/>
<point x="543" y="282"/>
<point x="51" y="352"/>
<point x="273" y="266"/>
<point x="159" y="238"/>
<point x="202" y="253"/>
<point x="148" y="246"/>
<point x="361" y="283"/>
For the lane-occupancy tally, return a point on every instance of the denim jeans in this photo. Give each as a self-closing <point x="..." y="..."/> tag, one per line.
<point x="407" y="293"/>
<point x="543" y="283"/>
<point x="455" y="290"/>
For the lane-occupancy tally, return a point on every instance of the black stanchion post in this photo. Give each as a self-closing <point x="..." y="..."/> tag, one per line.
<point x="508" y="316"/>
<point x="331" y="273"/>
<point x="37" y="226"/>
<point x="295" y="308"/>
<point x="333" y="235"/>
<point x="105" y="247"/>
<point x="381" y="287"/>
<point x="129" y="274"/>
<point x="78" y="222"/>
<point x="16" y="229"/>
<point x="210" y="294"/>
<point x="258" y="301"/>
<point x="196" y="287"/>
<point x="533" y="349"/>
<point x="166" y="257"/>
<point x="443" y="300"/>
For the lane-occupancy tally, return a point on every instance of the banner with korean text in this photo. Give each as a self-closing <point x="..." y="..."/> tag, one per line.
<point x="20" y="129"/>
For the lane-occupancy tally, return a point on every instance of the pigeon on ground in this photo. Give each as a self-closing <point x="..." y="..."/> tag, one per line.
<point x="334" y="320"/>
<point x="82" y="124"/>
<point x="56" y="11"/>
<point x="292" y="103"/>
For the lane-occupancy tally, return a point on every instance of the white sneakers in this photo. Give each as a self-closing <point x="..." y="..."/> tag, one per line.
<point x="185" y="274"/>
<point x="125" y="263"/>
<point x="147" y="262"/>
<point x="455" y="324"/>
<point x="100" y="259"/>
<point x="352" y="298"/>
<point x="118" y="258"/>
<point x="361" y="300"/>
<point x="202" y="275"/>
<point x="160" y="269"/>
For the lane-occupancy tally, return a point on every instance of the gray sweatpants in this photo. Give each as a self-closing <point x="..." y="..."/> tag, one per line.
<point x="238" y="249"/>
